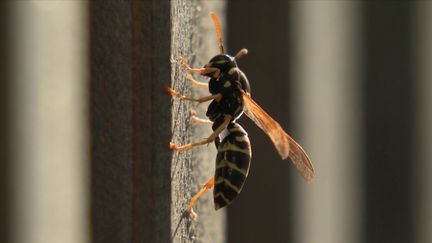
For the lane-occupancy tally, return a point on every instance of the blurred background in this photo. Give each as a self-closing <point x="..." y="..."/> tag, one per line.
<point x="351" y="81"/>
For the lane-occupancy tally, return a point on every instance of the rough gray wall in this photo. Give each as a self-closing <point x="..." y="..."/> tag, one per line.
<point x="140" y="189"/>
<point x="193" y="37"/>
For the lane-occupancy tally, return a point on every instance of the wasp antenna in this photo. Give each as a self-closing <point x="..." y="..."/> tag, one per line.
<point x="218" y="31"/>
<point x="241" y="53"/>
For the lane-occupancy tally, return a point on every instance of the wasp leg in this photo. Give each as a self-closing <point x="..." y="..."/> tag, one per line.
<point x="201" y="120"/>
<point x="174" y="93"/>
<point x="197" y="119"/>
<point x="215" y="71"/>
<point x="211" y="138"/>
<point x="192" y="70"/>
<point x="204" y="189"/>
<point x="196" y="83"/>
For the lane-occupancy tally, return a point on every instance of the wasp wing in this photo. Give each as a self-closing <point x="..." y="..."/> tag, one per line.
<point x="285" y="145"/>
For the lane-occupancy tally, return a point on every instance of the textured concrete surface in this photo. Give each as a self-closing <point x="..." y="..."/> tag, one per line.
<point x="194" y="37"/>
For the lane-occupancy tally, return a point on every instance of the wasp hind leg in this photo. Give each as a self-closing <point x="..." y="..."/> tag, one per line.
<point x="211" y="138"/>
<point x="209" y="185"/>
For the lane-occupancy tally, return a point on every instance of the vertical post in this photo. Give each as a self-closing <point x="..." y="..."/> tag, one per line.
<point x="388" y="79"/>
<point x="327" y="112"/>
<point x="140" y="189"/>
<point x="4" y="162"/>
<point x="100" y="138"/>
<point x="48" y="132"/>
<point x="111" y="102"/>
<point x="193" y="37"/>
<point x="423" y="114"/>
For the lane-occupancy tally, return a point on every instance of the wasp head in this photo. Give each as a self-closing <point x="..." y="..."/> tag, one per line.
<point x="220" y="63"/>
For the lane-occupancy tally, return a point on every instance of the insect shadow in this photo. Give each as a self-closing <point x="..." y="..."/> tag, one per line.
<point x="185" y="214"/>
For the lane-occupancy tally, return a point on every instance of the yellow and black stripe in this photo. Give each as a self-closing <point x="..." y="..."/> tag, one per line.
<point x="232" y="165"/>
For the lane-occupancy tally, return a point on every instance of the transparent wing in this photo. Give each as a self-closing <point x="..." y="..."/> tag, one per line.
<point x="285" y="145"/>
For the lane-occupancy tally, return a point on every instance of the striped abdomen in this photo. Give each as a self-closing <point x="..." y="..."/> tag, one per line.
<point x="232" y="165"/>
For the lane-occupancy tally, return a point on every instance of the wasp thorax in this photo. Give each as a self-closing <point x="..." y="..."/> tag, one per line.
<point x="222" y="62"/>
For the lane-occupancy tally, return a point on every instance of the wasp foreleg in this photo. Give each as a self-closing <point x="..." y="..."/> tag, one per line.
<point x="206" y="70"/>
<point x="192" y="70"/>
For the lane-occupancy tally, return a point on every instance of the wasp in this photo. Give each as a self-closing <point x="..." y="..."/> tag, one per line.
<point x="230" y="98"/>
